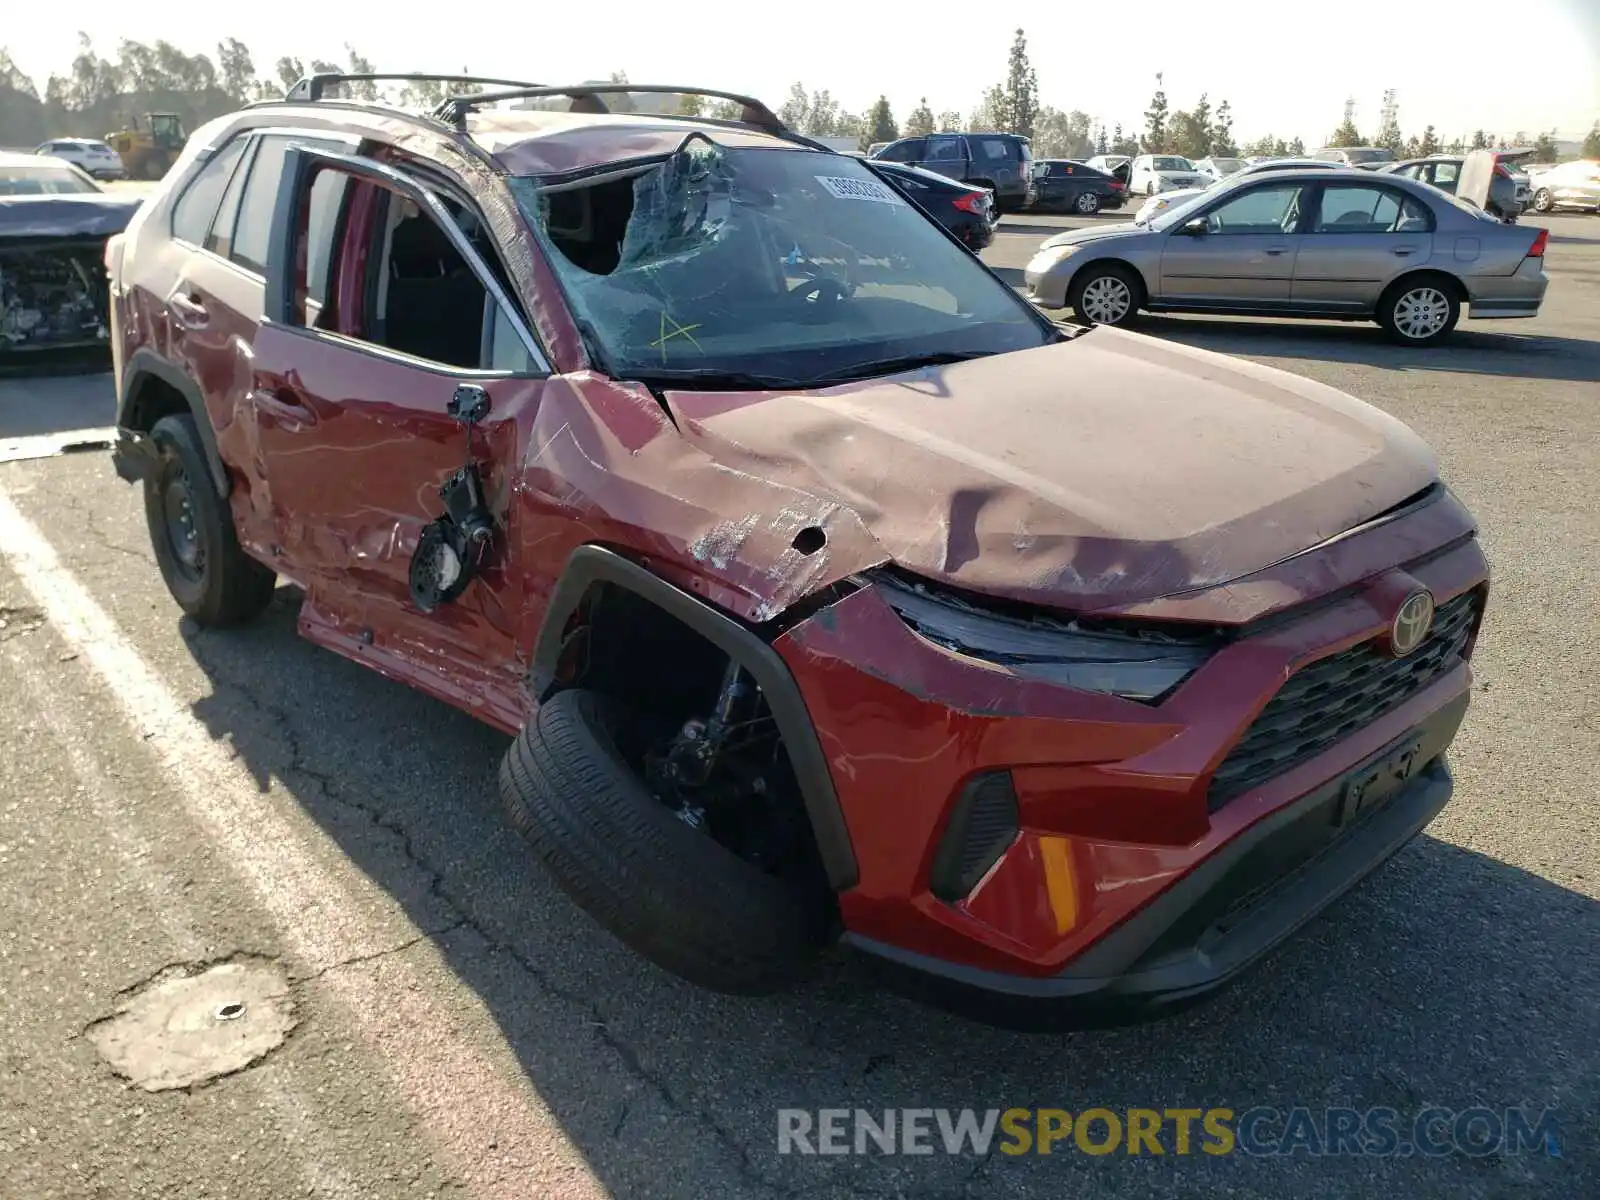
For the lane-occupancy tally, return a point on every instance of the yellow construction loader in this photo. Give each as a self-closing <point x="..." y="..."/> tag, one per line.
<point x="151" y="146"/>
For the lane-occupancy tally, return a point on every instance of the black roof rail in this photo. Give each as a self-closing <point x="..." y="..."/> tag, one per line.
<point x="455" y="108"/>
<point x="312" y="87"/>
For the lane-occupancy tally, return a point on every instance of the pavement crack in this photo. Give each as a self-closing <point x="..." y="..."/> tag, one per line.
<point x="91" y="526"/>
<point x="331" y="790"/>
<point x="356" y="960"/>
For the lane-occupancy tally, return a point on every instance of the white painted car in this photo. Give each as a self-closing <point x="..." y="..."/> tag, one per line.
<point x="89" y="155"/>
<point x="1218" y="166"/>
<point x="1154" y="173"/>
<point x="1161" y="201"/>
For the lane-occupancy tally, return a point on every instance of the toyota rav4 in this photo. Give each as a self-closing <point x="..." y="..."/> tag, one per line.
<point x="829" y="592"/>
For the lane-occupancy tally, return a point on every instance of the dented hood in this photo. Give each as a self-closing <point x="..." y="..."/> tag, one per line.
<point x="89" y="215"/>
<point x="1104" y="471"/>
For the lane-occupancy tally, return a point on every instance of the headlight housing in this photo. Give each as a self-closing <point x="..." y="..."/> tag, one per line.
<point x="1142" y="663"/>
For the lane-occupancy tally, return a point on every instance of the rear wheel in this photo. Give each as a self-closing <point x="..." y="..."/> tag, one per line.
<point x="1105" y="294"/>
<point x="191" y="531"/>
<point x="1420" y="311"/>
<point x="1088" y="203"/>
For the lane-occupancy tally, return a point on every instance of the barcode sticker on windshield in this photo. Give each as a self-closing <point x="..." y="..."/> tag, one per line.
<point x="858" y="189"/>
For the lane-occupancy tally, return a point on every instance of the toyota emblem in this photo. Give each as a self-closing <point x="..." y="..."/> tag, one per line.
<point x="1411" y="623"/>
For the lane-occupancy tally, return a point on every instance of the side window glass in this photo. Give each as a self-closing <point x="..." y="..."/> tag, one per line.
<point x="907" y="151"/>
<point x="194" y="210"/>
<point x="328" y="191"/>
<point x="252" y="232"/>
<point x="944" y="149"/>
<point x="1265" y="210"/>
<point x="220" y="239"/>
<point x="1445" y="173"/>
<point x="506" y="351"/>
<point x="1347" y="209"/>
<point x="995" y="149"/>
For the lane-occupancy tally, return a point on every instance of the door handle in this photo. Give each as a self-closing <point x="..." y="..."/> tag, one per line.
<point x="283" y="405"/>
<point x="1403" y="251"/>
<point x="191" y="311"/>
<point x="1274" y="251"/>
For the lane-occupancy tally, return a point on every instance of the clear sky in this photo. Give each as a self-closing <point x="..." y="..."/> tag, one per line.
<point x="1285" y="67"/>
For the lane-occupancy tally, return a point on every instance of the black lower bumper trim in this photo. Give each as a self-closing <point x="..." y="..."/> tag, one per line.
<point x="1140" y="970"/>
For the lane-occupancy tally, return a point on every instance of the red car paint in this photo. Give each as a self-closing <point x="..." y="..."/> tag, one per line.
<point x="1112" y="475"/>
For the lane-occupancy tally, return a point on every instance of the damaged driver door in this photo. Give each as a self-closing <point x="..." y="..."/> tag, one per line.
<point x="394" y="382"/>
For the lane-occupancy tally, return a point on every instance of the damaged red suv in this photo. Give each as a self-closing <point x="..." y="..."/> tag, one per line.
<point x="829" y="591"/>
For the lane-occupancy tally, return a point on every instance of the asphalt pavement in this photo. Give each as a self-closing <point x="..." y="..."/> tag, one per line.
<point x="436" y="1019"/>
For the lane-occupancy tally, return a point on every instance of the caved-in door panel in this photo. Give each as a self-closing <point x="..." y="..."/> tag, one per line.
<point x="355" y="445"/>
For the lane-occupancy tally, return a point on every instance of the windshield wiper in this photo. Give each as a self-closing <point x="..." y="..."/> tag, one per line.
<point x="893" y="366"/>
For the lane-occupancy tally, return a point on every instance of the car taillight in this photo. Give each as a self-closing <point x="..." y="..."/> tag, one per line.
<point x="1117" y="185"/>
<point x="1540" y="241"/>
<point x="972" y="202"/>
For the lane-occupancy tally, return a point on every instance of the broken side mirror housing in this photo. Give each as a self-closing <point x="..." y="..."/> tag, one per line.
<point x="1193" y="228"/>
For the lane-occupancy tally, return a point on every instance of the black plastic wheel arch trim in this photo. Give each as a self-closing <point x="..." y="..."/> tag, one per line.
<point x="591" y="565"/>
<point x="145" y="363"/>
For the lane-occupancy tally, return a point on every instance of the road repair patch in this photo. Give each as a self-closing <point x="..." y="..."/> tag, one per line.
<point x="188" y="1027"/>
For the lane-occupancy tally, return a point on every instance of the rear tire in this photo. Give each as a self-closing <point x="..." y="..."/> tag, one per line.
<point x="1105" y="294"/>
<point x="666" y="889"/>
<point x="191" y="531"/>
<point x="1088" y="203"/>
<point x="1420" y="311"/>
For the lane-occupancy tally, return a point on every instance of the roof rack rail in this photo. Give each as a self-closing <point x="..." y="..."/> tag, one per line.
<point x="312" y="87"/>
<point x="454" y="109"/>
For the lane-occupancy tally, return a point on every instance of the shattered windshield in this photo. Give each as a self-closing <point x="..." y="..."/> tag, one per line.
<point x="765" y="266"/>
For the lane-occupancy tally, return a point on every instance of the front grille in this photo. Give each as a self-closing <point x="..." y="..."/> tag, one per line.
<point x="1337" y="696"/>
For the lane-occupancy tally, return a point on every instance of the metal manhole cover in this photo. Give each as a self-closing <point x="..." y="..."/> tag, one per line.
<point x="188" y="1028"/>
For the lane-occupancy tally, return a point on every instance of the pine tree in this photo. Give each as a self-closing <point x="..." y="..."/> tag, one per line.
<point x="1591" y="143"/>
<point x="1021" y="91"/>
<point x="1155" y="120"/>
<point x="920" y="122"/>
<point x="880" y="125"/>
<point x="1429" y="143"/>
<point x="1222" y="131"/>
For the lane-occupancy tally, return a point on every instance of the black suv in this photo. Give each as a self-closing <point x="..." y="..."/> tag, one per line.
<point x="1001" y="162"/>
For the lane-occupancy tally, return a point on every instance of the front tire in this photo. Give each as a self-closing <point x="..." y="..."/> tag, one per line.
<point x="1105" y="294"/>
<point x="1421" y="311"/>
<point x="191" y="531"/>
<point x="1543" y="201"/>
<point x="666" y="889"/>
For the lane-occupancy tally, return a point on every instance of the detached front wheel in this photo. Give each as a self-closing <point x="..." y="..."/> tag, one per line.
<point x="572" y="786"/>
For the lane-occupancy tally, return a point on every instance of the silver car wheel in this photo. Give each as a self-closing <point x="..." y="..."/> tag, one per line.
<point x="1106" y="300"/>
<point x="1543" y="201"/>
<point x="1088" y="202"/>
<point x="1421" y="312"/>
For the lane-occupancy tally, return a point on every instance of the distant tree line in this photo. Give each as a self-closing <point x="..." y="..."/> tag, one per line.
<point x="100" y="94"/>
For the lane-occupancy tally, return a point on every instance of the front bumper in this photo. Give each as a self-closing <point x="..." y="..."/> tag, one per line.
<point x="1045" y="279"/>
<point x="1211" y="926"/>
<point x="1114" y="803"/>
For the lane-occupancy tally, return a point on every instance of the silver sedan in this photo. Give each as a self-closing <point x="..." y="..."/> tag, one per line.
<point x="1302" y="244"/>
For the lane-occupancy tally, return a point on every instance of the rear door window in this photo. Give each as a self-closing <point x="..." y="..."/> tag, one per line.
<point x="945" y="149"/>
<point x="195" y="209"/>
<point x="252" y="231"/>
<point x="1350" y="208"/>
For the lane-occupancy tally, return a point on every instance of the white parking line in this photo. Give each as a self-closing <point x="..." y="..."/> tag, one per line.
<point x="48" y="445"/>
<point x="327" y="913"/>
